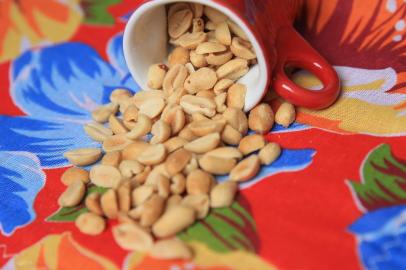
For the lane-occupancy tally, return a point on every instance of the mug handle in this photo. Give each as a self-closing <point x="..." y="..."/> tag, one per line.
<point x="293" y="50"/>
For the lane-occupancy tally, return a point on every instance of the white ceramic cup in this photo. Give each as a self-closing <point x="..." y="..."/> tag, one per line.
<point x="146" y="43"/>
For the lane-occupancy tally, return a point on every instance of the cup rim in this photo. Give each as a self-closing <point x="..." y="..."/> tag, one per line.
<point x="254" y="96"/>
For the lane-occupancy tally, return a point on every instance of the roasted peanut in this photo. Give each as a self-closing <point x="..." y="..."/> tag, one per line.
<point x="152" y="107"/>
<point x="133" y="150"/>
<point x="117" y="125"/>
<point x="200" y="203"/>
<point x="210" y="47"/>
<point x="192" y="40"/>
<point x="237" y="119"/>
<point x="90" y="223"/>
<point x="141" y="194"/>
<point x="223" y="33"/>
<point x="242" y="49"/>
<point x="174" y="220"/>
<point x="178" y="56"/>
<point x="214" y="15"/>
<point x="197" y="9"/>
<point x="175" y="117"/>
<point x="142" y="96"/>
<point x="152" y="210"/>
<point x="118" y="95"/>
<point x="285" y="115"/>
<point x="222" y="195"/>
<point x="132" y="237"/>
<point x="251" y="143"/>
<point x="226" y="153"/>
<point x="170" y="249"/>
<point x="246" y="169"/>
<point x="178" y="184"/>
<point x="198" y="25"/>
<point x="261" y="118"/>
<point x="129" y="168"/>
<point x="105" y="176"/>
<point x="187" y="134"/>
<point x="74" y="173"/>
<point x="192" y="104"/>
<point x="236" y="96"/>
<point x="92" y="203"/>
<point x="154" y="154"/>
<point x="179" y="22"/>
<point x="269" y="153"/>
<point x="204" y="144"/>
<point x="97" y="131"/>
<point x="111" y="159"/>
<point x="73" y="194"/>
<point x="220" y="101"/>
<point x="202" y="79"/>
<point x="116" y="143"/>
<point x="83" y="156"/>
<point x="109" y="204"/>
<point x="197" y="60"/>
<point x="124" y="196"/>
<point x="231" y="67"/>
<point x="236" y="30"/>
<point x="163" y="187"/>
<point x="222" y="85"/>
<point x="231" y="135"/>
<point x="156" y="75"/>
<point x="174" y="144"/>
<point x="102" y="113"/>
<point x="175" y="78"/>
<point x="177" y="161"/>
<point x="161" y="131"/>
<point x="205" y="127"/>
<point x="141" y="128"/>
<point x="198" y="182"/>
<point x="220" y="58"/>
<point x="216" y="165"/>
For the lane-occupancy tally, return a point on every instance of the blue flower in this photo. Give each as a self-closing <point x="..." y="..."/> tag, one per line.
<point x="381" y="237"/>
<point x="58" y="87"/>
<point x="21" y="178"/>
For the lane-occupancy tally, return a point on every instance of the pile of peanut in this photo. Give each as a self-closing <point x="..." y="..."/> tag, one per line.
<point x="163" y="147"/>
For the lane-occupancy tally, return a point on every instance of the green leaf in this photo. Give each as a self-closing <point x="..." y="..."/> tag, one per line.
<point x="69" y="214"/>
<point x="225" y="229"/>
<point x="383" y="180"/>
<point x="96" y="11"/>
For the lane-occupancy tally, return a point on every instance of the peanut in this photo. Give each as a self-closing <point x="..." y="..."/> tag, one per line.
<point x="90" y="223"/>
<point x="174" y="220"/>
<point x="117" y="125"/>
<point x="74" y="173"/>
<point x="269" y="153"/>
<point x="154" y="154"/>
<point x="152" y="107"/>
<point x="198" y="25"/>
<point x="170" y="249"/>
<point x="192" y="104"/>
<point x="197" y="60"/>
<point x="285" y="115"/>
<point x="174" y="79"/>
<point x="214" y="15"/>
<point x="83" y="156"/>
<point x="73" y="194"/>
<point x="246" y="169"/>
<point x="230" y="135"/>
<point x="178" y="184"/>
<point x="179" y="22"/>
<point x="203" y="144"/>
<point x="192" y="40"/>
<point x="105" y="176"/>
<point x="133" y="150"/>
<point x="141" y="194"/>
<point x="205" y="127"/>
<point x="174" y="144"/>
<point x="222" y="195"/>
<point x="97" y="131"/>
<point x="152" y="210"/>
<point x="210" y="47"/>
<point x="142" y="96"/>
<point x="216" y="165"/>
<point x="156" y="75"/>
<point x="129" y="168"/>
<point x="124" y="196"/>
<point x="226" y="153"/>
<point x="261" y="118"/>
<point x="119" y="95"/>
<point x="202" y="79"/>
<point x="198" y="182"/>
<point x="178" y="56"/>
<point x="236" y="96"/>
<point x="92" y="203"/>
<point x="102" y="113"/>
<point x="111" y="159"/>
<point x="251" y="143"/>
<point x="220" y="58"/>
<point x="116" y="143"/>
<point x="109" y="204"/>
<point x="231" y="67"/>
<point x="222" y="85"/>
<point x="141" y="128"/>
<point x="237" y="119"/>
<point x="177" y="161"/>
<point x="132" y="237"/>
<point x="242" y="49"/>
<point x="200" y="203"/>
<point x="161" y="132"/>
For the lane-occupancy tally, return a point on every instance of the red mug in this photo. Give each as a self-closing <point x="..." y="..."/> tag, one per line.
<point x="268" y="25"/>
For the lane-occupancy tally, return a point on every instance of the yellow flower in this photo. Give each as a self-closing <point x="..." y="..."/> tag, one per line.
<point x="29" y="23"/>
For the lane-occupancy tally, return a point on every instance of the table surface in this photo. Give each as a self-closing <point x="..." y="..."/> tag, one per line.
<point x="335" y="199"/>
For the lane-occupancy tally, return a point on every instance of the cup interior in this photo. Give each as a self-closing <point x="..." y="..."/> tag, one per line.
<point x="146" y="43"/>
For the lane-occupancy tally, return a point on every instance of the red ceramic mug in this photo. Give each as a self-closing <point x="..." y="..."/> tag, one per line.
<point x="268" y="24"/>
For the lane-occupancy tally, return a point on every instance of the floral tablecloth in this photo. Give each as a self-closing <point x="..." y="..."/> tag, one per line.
<point x="335" y="199"/>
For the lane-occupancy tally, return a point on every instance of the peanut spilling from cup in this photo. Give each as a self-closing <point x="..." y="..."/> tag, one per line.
<point x="163" y="148"/>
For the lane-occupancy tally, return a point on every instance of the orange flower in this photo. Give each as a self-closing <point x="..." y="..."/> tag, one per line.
<point x="29" y="23"/>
